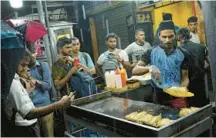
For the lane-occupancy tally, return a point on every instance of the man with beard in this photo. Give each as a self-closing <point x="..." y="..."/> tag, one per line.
<point x="169" y="67"/>
<point x="137" y="48"/>
<point x="198" y="54"/>
<point x="69" y="51"/>
<point x="86" y="62"/>
<point x="59" y="74"/>
<point x="165" y="17"/>
<point x="41" y="82"/>
<point x="192" y="25"/>
<point x="113" y="58"/>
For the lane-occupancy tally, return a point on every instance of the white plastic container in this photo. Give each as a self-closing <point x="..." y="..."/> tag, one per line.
<point x="111" y="79"/>
<point x="118" y="79"/>
<point x="107" y="78"/>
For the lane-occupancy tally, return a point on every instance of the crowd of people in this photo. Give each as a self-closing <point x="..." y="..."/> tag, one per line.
<point x="29" y="105"/>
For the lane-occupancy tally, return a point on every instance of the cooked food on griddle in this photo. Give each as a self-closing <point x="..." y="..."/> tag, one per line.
<point x="194" y="109"/>
<point x="155" y="120"/>
<point x="164" y="122"/>
<point x="186" y="111"/>
<point x="131" y="116"/>
<point x="140" y="115"/>
<point x="178" y="92"/>
<point x="148" y="119"/>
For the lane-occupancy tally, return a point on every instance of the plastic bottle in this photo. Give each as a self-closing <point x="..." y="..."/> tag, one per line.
<point x="118" y="78"/>
<point x="112" y="78"/>
<point x="107" y="78"/>
<point x="123" y="77"/>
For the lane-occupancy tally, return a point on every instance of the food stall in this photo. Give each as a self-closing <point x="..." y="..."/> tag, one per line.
<point x="108" y="113"/>
<point x="105" y="113"/>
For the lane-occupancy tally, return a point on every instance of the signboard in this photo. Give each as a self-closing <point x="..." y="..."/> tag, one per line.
<point x="142" y="17"/>
<point x="146" y="3"/>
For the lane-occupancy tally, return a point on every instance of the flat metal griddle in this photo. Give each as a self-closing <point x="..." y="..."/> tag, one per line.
<point x="109" y="111"/>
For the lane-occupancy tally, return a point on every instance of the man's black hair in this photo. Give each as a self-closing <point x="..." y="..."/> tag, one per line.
<point x="192" y="19"/>
<point x="167" y="16"/>
<point x="184" y="33"/>
<point x="166" y="25"/>
<point x="27" y="56"/>
<point x="111" y="35"/>
<point x="63" y="41"/>
<point x="74" y="38"/>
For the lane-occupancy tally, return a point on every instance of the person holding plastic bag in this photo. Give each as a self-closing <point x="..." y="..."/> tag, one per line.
<point x="169" y="67"/>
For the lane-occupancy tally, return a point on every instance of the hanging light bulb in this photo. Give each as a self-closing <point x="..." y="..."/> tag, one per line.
<point x="16" y="3"/>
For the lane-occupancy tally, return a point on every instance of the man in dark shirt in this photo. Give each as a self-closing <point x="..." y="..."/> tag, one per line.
<point x="198" y="54"/>
<point x="171" y="61"/>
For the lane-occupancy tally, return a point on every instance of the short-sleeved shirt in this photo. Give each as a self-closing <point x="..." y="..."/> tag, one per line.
<point x="198" y="52"/>
<point x="59" y="72"/>
<point x="104" y="56"/>
<point x="195" y="38"/>
<point x="170" y="65"/>
<point x="136" y="50"/>
<point x="19" y="100"/>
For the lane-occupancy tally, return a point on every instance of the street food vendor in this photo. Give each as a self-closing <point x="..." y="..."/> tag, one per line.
<point x="169" y="67"/>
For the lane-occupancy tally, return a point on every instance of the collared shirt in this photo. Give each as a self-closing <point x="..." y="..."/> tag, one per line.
<point x="19" y="100"/>
<point x="40" y="96"/>
<point x="195" y="38"/>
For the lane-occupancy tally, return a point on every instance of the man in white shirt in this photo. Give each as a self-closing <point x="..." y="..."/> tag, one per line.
<point x="192" y="25"/>
<point x="137" y="48"/>
<point x="113" y="58"/>
<point x="19" y="108"/>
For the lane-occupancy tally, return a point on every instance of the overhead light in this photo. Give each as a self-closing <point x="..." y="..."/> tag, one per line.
<point x="16" y="3"/>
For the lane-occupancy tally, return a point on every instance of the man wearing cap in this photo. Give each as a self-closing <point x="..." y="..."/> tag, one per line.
<point x="166" y="17"/>
<point x="198" y="56"/>
<point x="192" y="25"/>
<point x="169" y="67"/>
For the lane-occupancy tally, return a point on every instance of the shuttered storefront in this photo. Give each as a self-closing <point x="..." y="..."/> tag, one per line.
<point x="116" y="19"/>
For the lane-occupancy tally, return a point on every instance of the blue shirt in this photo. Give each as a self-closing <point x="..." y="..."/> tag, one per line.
<point x="170" y="66"/>
<point x="40" y="96"/>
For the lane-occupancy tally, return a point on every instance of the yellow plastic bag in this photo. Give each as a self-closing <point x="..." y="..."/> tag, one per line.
<point x="178" y="92"/>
